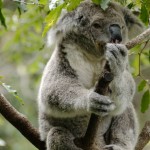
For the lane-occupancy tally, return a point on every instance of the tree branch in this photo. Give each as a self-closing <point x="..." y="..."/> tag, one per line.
<point x="20" y="122"/>
<point x="138" y="39"/>
<point x="144" y="137"/>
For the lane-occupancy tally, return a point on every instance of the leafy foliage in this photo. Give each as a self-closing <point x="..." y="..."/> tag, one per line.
<point x="142" y="85"/>
<point x="2" y="18"/>
<point x="144" y="14"/>
<point x="52" y="17"/>
<point x="145" y="101"/>
<point x="12" y="91"/>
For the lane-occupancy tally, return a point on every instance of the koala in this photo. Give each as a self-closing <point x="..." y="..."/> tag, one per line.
<point x="84" y="40"/>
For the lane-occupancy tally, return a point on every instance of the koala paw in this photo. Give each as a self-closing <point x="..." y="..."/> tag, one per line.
<point x="117" y="57"/>
<point x="99" y="104"/>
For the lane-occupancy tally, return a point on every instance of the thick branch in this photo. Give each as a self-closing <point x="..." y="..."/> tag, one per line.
<point x="144" y="137"/>
<point x="138" y="39"/>
<point x="20" y="122"/>
<point x="24" y="126"/>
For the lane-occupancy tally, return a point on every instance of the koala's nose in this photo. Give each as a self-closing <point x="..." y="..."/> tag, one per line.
<point x="115" y="32"/>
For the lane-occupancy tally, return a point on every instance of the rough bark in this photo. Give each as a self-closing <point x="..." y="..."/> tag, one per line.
<point x="20" y="122"/>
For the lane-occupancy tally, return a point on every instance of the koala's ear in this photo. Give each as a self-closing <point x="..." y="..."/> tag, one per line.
<point x="134" y="25"/>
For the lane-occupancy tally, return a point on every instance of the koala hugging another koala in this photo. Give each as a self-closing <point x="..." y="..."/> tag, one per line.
<point x="83" y="41"/>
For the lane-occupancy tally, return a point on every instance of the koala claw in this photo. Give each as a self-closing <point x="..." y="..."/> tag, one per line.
<point x="116" y="55"/>
<point x="99" y="104"/>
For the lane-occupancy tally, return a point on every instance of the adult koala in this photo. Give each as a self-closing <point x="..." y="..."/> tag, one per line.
<point x="66" y="96"/>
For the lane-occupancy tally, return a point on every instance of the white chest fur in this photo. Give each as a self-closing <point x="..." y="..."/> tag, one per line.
<point x="88" y="70"/>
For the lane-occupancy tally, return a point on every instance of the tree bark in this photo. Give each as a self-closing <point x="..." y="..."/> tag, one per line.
<point x="20" y="122"/>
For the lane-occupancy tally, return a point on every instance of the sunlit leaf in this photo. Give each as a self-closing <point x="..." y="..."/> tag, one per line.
<point x="12" y="91"/>
<point x="123" y="2"/>
<point x="43" y="2"/>
<point x="145" y="101"/>
<point x="104" y="4"/>
<point x="73" y="4"/>
<point x="52" y="17"/>
<point x="142" y="85"/>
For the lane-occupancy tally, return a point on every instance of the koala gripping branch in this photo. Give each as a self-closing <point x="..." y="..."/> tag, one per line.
<point x="20" y="122"/>
<point x="87" y="142"/>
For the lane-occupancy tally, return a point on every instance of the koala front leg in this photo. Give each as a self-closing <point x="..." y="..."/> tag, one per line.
<point x="60" y="138"/>
<point x="123" y="85"/>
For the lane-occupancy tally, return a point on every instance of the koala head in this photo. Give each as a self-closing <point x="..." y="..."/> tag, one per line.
<point x="91" y="27"/>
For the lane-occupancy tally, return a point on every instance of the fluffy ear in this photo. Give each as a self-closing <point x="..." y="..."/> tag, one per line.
<point x="134" y="25"/>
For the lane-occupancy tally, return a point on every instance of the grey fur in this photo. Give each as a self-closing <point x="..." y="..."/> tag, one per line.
<point x="66" y="98"/>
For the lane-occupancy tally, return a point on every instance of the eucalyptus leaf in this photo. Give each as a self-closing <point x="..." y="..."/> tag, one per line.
<point x="73" y="4"/>
<point x="145" y="101"/>
<point x="2" y="19"/>
<point x="104" y="4"/>
<point x="144" y="14"/>
<point x="43" y="2"/>
<point x="142" y="85"/>
<point x="52" y="17"/>
<point x="12" y="91"/>
<point x="1" y="3"/>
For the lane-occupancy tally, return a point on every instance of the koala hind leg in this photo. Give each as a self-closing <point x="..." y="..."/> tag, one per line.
<point x="60" y="138"/>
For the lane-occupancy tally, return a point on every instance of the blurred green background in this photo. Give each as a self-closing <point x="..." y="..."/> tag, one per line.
<point x="23" y="55"/>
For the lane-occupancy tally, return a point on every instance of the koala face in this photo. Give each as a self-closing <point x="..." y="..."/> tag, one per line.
<point x="90" y="27"/>
<point x="102" y="26"/>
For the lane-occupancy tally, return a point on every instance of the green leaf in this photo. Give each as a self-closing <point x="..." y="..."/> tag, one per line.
<point x="149" y="56"/>
<point x="12" y="91"/>
<point x="130" y="5"/>
<point x="1" y="3"/>
<point x="73" y="4"/>
<point x="52" y="17"/>
<point x="96" y="2"/>
<point x="43" y="2"/>
<point x="142" y="85"/>
<point x="1" y="77"/>
<point x="145" y="101"/>
<point x="2" y="19"/>
<point x="104" y="4"/>
<point x="144" y="14"/>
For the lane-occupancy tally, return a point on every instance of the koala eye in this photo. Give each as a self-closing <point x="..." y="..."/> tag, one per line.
<point x="96" y="25"/>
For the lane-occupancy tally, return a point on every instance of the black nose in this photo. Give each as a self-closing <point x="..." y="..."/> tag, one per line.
<point x="115" y="32"/>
